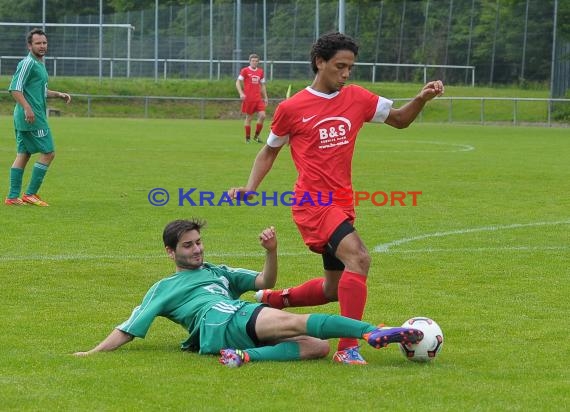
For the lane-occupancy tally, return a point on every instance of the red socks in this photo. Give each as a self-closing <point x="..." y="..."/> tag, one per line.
<point x="309" y="293"/>
<point x="352" y="293"/>
<point x="258" y="128"/>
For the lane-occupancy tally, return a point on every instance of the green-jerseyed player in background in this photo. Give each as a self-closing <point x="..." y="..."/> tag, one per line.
<point x="204" y="299"/>
<point x="29" y="87"/>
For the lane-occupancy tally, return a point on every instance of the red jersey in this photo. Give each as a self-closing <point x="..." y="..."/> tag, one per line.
<point x="252" y="80"/>
<point x="322" y="132"/>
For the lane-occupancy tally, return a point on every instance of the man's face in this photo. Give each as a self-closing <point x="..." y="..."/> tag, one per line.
<point x="38" y="46"/>
<point x="253" y="62"/>
<point x="334" y="73"/>
<point x="189" y="253"/>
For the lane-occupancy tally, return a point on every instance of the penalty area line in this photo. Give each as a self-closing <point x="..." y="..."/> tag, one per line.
<point x="478" y="249"/>
<point x="385" y="247"/>
<point x="70" y="257"/>
<point x="63" y="258"/>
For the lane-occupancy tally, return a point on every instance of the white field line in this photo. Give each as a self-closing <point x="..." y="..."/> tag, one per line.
<point x="385" y="247"/>
<point x="453" y="147"/>
<point x="382" y="248"/>
<point x="479" y="249"/>
<point x="150" y="256"/>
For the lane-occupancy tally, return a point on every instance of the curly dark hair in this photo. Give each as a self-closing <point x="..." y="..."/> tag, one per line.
<point x="329" y="44"/>
<point x="175" y="229"/>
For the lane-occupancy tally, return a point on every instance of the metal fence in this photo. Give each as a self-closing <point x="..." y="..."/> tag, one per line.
<point x="218" y="69"/>
<point x="458" y="110"/>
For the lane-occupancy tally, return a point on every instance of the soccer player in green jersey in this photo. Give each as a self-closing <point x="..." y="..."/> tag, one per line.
<point x="204" y="299"/>
<point x="29" y="87"/>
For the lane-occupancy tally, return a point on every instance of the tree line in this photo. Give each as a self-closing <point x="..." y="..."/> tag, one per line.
<point x="508" y="41"/>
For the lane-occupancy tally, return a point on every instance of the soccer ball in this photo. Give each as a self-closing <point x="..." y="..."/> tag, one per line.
<point x="429" y="346"/>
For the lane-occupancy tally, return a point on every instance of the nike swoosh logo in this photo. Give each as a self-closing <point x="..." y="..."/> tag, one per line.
<point x="307" y="119"/>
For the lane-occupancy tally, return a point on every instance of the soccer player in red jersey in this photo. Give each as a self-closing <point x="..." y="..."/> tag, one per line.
<point x="321" y="124"/>
<point x="250" y="85"/>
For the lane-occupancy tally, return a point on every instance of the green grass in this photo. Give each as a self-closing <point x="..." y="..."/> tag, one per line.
<point x="223" y="103"/>
<point x="485" y="253"/>
<point x="276" y="88"/>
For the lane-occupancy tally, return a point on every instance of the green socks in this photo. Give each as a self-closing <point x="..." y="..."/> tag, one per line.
<point x="16" y="176"/>
<point x="284" y="351"/>
<point x="319" y="326"/>
<point x="38" y="174"/>
<point x="334" y="326"/>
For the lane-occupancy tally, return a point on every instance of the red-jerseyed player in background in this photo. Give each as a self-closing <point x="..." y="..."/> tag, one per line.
<point x="321" y="124"/>
<point x="250" y="85"/>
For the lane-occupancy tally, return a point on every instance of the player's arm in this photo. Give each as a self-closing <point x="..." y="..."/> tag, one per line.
<point x="264" y="93"/>
<point x="268" y="276"/>
<point x="64" y="96"/>
<point x="262" y="165"/>
<point x="239" y="87"/>
<point x="402" y="117"/>
<point x="21" y="100"/>
<point x="115" y="339"/>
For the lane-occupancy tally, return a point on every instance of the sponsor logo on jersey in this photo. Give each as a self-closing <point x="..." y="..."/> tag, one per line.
<point x="333" y="131"/>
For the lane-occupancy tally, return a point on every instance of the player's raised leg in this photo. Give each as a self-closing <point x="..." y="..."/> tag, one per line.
<point x="273" y="327"/>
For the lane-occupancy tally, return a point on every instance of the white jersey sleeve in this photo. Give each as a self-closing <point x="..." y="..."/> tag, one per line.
<point x="382" y="110"/>
<point x="275" y="141"/>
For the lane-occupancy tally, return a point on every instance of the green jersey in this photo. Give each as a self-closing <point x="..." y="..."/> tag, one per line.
<point x="31" y="78"/>
<point x="187" y="296"/>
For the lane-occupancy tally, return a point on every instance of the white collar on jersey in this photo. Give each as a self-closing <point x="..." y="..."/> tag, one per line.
<point x="320" y="94"/>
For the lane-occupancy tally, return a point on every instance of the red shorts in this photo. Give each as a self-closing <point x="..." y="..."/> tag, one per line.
<point x="317" y="223"/>
<point x="252" y="106"/>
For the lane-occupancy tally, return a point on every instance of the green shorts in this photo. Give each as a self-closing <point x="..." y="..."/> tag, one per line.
<point x="220" y="330"/>
<point x="34" y="141"/>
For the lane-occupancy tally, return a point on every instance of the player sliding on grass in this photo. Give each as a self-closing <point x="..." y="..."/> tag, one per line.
<point x="321" y="124"/>
<point x="204" y="299"/>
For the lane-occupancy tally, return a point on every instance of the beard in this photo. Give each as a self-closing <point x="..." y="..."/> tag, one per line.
<point x="193" y="262"/>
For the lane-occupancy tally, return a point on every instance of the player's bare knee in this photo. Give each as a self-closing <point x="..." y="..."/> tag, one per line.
<point x="359" y="261"/>
<point x="364" y="260"/>
<point x="47" y="157"/>
<point x="291" y="324"/>
<point x="313" y="348"/>
<point x="322" y="349"/>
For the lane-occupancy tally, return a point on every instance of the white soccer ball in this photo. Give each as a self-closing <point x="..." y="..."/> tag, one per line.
<point x="428" y="348"/>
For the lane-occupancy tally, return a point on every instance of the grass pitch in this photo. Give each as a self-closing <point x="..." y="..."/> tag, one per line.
<point x="485" y="253"/>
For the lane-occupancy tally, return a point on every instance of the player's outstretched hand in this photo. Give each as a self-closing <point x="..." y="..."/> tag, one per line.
<point x="238" y="192"/>
<point x="81" y="354"/>
<point x="233" y="192"/>
<point x="268" y="238"/>
<point x="431" y="90"/>
<point x="65" y="97"/>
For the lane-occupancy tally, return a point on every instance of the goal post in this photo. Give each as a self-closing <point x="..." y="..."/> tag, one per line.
<point x="128" y="27"/>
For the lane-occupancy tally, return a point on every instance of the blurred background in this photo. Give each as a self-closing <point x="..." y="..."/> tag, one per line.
<point x="471" y="42"/>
